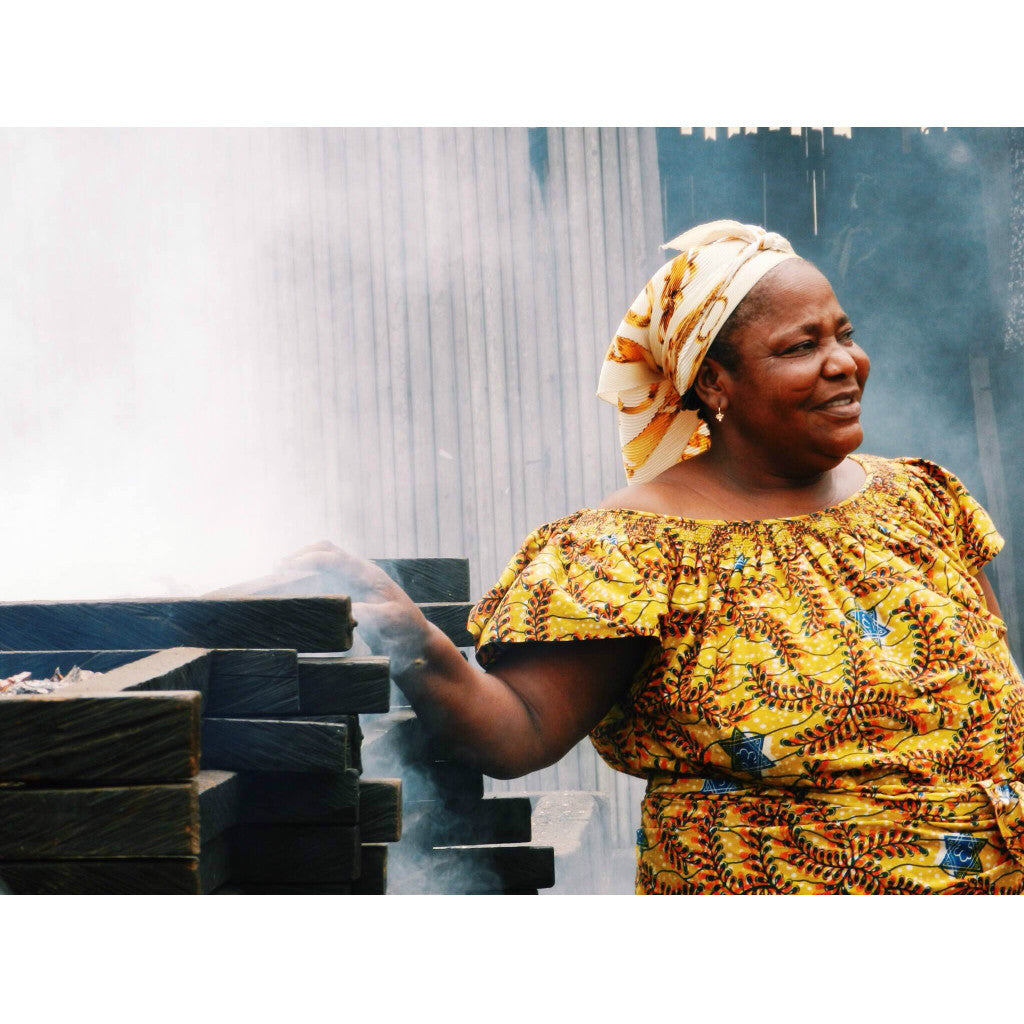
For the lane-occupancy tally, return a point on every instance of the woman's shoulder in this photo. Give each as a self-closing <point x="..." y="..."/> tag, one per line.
<point x="911" y="476"/>
<point x="675" y="495"/>
<point x="638" y="497"/>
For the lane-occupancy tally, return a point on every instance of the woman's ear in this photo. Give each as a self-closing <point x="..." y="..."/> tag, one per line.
<point x="708" y="385"/>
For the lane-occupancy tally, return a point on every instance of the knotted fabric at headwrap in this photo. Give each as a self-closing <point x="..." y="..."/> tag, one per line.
<point x="660" y="344"/>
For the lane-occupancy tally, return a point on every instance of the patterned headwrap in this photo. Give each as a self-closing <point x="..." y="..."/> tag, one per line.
<point x="660" y="344"/>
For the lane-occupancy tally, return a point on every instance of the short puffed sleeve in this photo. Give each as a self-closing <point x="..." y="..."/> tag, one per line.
<point x="581" y="578"/>
<point x="962" y="521"/>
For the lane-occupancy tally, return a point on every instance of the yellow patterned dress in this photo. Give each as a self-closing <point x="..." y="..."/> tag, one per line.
<point x="829" y="708"/>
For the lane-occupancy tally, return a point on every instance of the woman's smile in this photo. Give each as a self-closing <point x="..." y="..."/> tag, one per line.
<point x="842" y="407"/>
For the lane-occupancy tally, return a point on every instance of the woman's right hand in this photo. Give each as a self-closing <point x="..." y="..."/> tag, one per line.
<point x="387" y="617"/>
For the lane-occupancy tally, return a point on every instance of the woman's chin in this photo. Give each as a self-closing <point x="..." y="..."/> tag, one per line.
<point x="843" y="441"/>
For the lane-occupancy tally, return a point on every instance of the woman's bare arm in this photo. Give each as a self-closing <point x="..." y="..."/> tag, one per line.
<point x="530" y="710"/>
<point x="534" y="706"/>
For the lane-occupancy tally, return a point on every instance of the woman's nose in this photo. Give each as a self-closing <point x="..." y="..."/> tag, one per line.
<point x="839" y="361"/>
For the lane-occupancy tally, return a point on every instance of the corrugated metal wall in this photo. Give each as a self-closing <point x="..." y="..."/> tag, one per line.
<point x="441" y="311"/>
<point x="259" y="338"/>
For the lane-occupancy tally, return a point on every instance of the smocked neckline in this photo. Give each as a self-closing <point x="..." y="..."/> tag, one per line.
<point x="868" y="463"/>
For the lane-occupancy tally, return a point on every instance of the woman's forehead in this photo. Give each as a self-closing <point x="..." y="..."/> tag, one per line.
<point x="794" y="292"/>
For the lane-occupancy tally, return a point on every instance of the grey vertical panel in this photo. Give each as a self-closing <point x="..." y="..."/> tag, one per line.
<point x="399" y="377"/>
<point x="490" y="454"/>
<point x="330" y="469"/>
<point x="345" y="390"/>
<point x="565" y="302"/>
<point x="244" y="314"/>
<point x="502" y="392"/>
<point x="647" y="254"/>
<point x="293" y="300"/>
<point x="550" y="368"/>
<point x="411" y="279"/>
<point x="359" y="309"/>
<point x="387" y="536"/>
<point x="300" y="310"/>
<point x="605" y="253"/>
<point x="582" y="285"/>
<point x="510" y="337"/>
<point x="471" y="455"/>
<point x="617" y="292"/>
<point x="446" y="396"/>
<point x="536" y="358"/>
<point x="271" y="332"/>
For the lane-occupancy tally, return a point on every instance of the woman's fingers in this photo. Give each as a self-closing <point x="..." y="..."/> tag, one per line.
<point x="320" y="545"/>
<point x="356" y="576"/>
<point x="310" y="556"/>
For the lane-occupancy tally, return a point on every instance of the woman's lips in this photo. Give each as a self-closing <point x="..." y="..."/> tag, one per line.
<point x="841" y="409"/>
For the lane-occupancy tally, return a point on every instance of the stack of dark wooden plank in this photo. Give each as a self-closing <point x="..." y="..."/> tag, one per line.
<point x="98" y="791"/>
<point x="102" y="784"/>
<point x="454" y="839"/>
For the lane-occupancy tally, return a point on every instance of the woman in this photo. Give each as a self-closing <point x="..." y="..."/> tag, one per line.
<point x="797" y="648"/>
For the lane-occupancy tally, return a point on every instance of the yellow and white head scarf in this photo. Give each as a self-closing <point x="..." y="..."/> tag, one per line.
<point x="666" y="333"/>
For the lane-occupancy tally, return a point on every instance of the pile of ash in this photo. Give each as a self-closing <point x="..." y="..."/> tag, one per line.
<point x="23" y="682"/>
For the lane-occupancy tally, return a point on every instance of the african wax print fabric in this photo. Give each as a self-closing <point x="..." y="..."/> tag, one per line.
<point x="663" y="338"/>
<point x="829" y="707"/>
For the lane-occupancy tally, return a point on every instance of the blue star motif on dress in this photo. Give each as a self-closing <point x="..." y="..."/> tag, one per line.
<point x="641" y="839"/>
<point x="870" y="625"/>
<point x="744" y="750"/>
<point x="1006" y="793"/>
<point x="719" y="785"/>
<point x="740" y="562"/>
<point x="961" y="857"/>
<point x="610" y="538"/>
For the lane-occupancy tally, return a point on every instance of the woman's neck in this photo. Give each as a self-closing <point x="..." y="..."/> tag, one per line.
<point x="707" y="487"/>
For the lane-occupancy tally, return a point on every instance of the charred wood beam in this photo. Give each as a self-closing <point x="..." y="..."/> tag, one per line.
<point x="355" y="686"/>
<point x="45" y="664"/>
<point x="252" y="745"/>
<point x="380" y="810"/>
<point x="355" y="733"/>
<point x="320" y="624"/>
<point x="300" y="797"/>
<point x="241" y="682"/>
<point x="446" y="781"/>
<point x="127" y="737"/>
<point x="94" y="822"/>
<point x="220" y="803"/>
<point x="400" y="739"/>
<point x="373" y="871"/>
<point x="294" y="857"/>
<point x="504" y="819"/>
<point x="180" y="668"/>
<point x="125" y="876"/>
<point x="216" y="863"/>
<point x="249" y="682"/>
<point x="429" y="579"/>
<point x="487" y="869"/>
<point x="450" y="618"/>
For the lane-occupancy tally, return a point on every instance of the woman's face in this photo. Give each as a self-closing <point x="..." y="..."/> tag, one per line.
<point x="796" y="392"/>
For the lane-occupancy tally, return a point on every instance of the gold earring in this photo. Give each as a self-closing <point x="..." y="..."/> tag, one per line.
<point x="719" y="415"/>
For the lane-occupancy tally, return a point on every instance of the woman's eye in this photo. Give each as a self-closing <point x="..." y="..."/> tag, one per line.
<point x="804" y="346"/>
